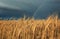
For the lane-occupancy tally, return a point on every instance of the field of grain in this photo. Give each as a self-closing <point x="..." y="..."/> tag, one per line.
<point x="30" y="28"/>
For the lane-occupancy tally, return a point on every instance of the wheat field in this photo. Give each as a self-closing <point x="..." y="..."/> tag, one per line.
<point x="30" y="28"/>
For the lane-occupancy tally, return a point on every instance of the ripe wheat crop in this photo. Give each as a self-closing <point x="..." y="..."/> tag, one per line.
<point x="30" y="28"/>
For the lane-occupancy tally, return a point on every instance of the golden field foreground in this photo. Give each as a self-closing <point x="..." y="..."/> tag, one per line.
<point x="30" y="29"/>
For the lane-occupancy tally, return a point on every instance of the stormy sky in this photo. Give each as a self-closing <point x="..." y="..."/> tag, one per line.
<point x="38" y="8"/>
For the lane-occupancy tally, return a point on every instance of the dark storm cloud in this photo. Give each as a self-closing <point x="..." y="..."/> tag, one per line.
<point x="24" y="4"/>
<point x="40" y="8"/>
<point x="28" y="6"/>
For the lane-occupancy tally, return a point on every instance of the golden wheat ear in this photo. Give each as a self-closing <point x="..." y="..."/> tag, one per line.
<point x="30" y="28"/>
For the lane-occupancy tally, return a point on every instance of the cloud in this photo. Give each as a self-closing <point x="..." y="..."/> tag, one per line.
<point x="8" y="6"/>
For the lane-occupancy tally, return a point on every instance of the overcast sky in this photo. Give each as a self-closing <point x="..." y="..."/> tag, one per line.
<point x="21" y="4"/>
<point x="41" y="7"/>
